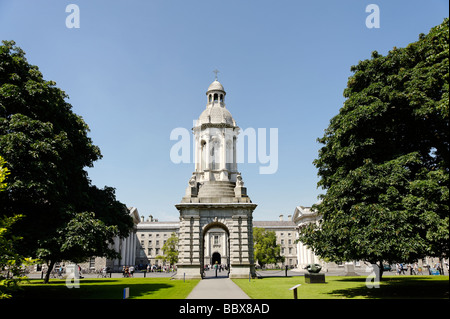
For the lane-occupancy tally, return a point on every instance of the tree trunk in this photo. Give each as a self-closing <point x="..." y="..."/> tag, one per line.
<point x="381" y="270"/>
<point x="49" y="271"/>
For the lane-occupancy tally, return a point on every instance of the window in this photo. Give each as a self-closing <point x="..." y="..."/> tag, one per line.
<point x="289" y="241"/>
<point x="282" y="242"/>
<point x="216" y="239"/>
<point x="150" y="251"/>
<point x="216" y="96"/>
<point x="92" y="262"/>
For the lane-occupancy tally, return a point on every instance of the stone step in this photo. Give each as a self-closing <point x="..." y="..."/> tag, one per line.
<point x="216" y="189"/>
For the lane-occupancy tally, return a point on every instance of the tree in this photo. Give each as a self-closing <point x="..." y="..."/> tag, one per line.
<point x="266" y="250"/>
<point x="11" y="263"/>
<point x="46" y="146"/>
<point x="170" y="249"/>
<point x="3" y="173"/>
<point x="385" y="160"/>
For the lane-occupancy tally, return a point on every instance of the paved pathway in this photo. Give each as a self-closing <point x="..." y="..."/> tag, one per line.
<point x="217" y="288"/>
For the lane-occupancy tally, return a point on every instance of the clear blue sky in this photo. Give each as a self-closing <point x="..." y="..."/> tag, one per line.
<point x="135" y="70"/>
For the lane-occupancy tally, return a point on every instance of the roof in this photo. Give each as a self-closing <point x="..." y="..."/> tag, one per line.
<point x="274" y="224"/>
<point x="215" y="86"/>
<point x="216" y="114"/>
<point x="158" y="225"/>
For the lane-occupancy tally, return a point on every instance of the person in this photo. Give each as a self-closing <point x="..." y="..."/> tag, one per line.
<point x="60" y="270"/>
<point x="131" y="270"/>
<point x="148" y="268"/>
<point x="79" y="272"/>
<point x="398" y="268"/>
<point x="438" y="267"/>
<point x="416" y="269"/>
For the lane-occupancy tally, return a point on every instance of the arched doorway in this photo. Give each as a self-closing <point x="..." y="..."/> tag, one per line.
<point x="216" y="259"/>
<point x="215" y="247"/>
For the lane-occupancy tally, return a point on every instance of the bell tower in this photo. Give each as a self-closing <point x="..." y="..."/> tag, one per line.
<point x="215" y="196"/>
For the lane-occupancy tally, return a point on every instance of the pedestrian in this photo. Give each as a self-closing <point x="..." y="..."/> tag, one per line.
<point x="416" y="268"/>
<point x="131" y="270"/>
<point x="438" y="267"/>
<point x="397" y="267"/>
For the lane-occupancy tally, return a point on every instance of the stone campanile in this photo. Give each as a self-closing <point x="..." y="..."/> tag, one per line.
<point x="215" y="196"/>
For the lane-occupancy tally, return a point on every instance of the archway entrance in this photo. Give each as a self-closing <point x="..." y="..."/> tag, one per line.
<point x="216" y="259"/>
<point x="216" y="250"/>
<point x="200" y="223"/>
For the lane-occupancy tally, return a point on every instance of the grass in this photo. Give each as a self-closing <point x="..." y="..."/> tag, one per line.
<point x="338" y="287"/>
<point x="90" y="288"/>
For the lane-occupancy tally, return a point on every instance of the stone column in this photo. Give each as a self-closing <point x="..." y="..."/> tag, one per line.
<point x="240" y="250"/>
<point x="189" y="235"/>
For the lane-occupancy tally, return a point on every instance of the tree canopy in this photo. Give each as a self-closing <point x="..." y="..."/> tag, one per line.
<point x="266" y="249"/>
<point x="385" y="160"/>
<point x="170" y="250"/>
<point x="46" y="147"/>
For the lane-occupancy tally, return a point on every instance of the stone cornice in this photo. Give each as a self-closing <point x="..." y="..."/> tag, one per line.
<point x="215" y="205"/>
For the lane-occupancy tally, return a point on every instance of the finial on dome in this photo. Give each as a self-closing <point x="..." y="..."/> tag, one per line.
<point x="215" y="72"/>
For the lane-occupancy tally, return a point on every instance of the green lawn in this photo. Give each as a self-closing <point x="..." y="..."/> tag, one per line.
<point x="140" y="288"/>
<point x="337" y="287"/>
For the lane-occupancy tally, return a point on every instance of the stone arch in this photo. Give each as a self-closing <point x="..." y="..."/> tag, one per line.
<point x="207" y="227"/>
<point x="235" y="220"/>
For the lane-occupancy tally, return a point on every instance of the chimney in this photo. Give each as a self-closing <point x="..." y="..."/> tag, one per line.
<point x="281" y="218"/>
<point x="289" y="217"/>
<point x="142" y="219"/>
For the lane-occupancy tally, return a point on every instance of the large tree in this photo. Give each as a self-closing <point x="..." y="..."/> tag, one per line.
<point x="266" y="249"/>
<point x="47" y="147"/>
<point x="385" y="160"/>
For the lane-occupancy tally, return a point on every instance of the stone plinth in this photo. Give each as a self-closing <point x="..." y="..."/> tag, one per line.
<point x="311" y="278"/>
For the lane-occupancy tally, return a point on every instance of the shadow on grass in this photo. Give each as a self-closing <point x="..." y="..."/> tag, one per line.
<point x="92" y="289"/>
<point x="398" y="288"/>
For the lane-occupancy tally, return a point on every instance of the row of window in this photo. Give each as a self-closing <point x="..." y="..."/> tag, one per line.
<point x="150" y="242"/>
<point x="283" y="250"/>
<point x="151" y="235"/>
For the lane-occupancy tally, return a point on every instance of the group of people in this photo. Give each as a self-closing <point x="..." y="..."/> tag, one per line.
<point x="217" y="266"/>
<point x="128" y="271"/>
<point x="414" y="269"/>
<point x="155" y="268"/>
